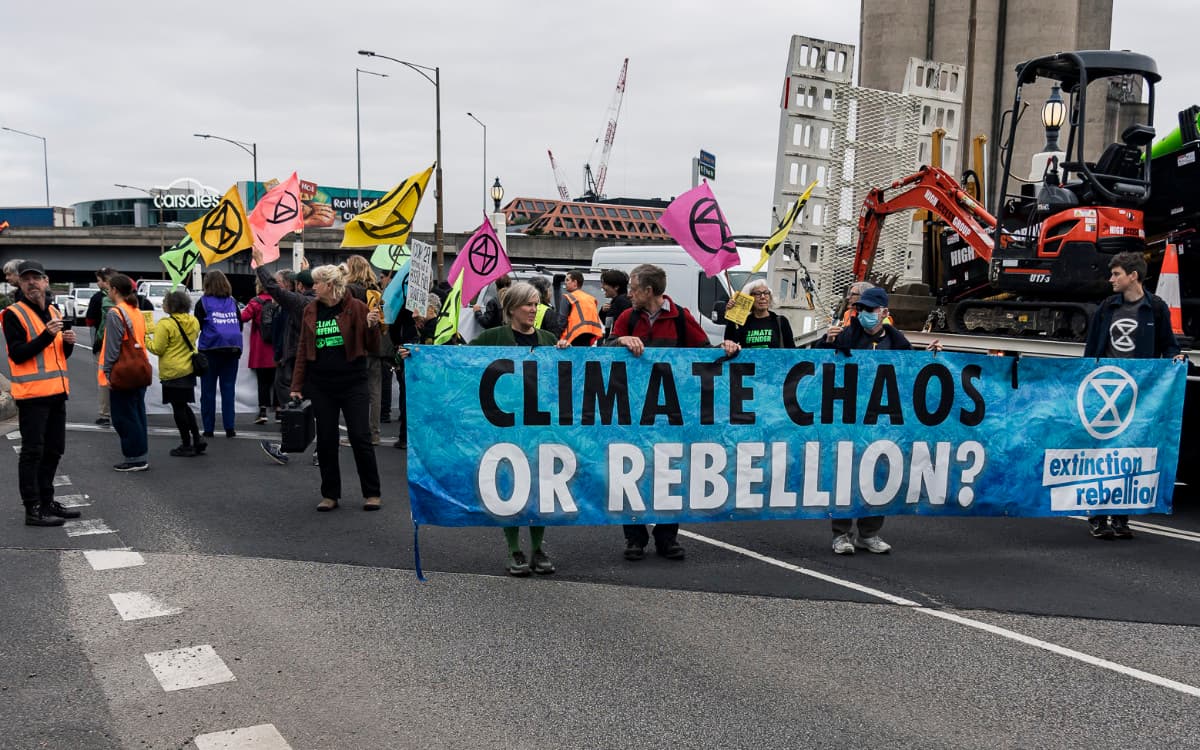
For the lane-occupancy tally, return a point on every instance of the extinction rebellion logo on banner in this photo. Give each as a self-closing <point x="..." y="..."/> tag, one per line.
<point x="1092" y="479"/>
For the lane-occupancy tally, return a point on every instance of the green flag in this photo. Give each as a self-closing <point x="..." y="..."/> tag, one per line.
<point x="447" y="325"/>
<point x="180" y="259"/>
<point x="389" y="257"/>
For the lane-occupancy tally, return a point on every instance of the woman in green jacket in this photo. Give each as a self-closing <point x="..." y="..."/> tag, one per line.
<point x="173" y="340"/>
<point x="520" y="310"/>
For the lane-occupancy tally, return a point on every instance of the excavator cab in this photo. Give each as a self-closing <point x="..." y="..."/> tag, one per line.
<point x="1054" y="237"/>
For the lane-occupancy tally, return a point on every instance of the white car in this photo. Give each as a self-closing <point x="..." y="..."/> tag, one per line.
<point x="80" y="297"/>
<point x="155" y="291"/>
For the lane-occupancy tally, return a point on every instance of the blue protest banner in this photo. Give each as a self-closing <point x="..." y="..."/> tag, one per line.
<point x="507" y="436"/>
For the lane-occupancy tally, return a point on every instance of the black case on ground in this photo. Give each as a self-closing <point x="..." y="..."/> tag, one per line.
<point x="297" y="426"/>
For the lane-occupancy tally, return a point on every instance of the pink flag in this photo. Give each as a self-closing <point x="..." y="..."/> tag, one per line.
<point x="481" y="261"/>
<point x="276" y="214"/>
<point x="695" y="221"/>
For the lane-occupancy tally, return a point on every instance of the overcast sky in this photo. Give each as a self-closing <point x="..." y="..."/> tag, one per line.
<point x="118" y="89"/>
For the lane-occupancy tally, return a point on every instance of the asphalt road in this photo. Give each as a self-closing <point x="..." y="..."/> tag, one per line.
<point x="972" y="633"/>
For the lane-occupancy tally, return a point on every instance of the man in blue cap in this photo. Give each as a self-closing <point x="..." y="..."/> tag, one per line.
<point x="866" y="330"/>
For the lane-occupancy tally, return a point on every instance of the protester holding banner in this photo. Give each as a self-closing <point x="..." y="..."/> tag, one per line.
<point x="520" y="309"/>
<point x="867" y="330"/>
<point x="221" y="342"/>
<point x="260" y="312"/>
<point x="654" y="320"/>
<point x="615" y="284"/>
<point x="763" y="329"/>
<point x="336" y="335"/>
<point x="1133" y="323"/>
<point x="174" y="341"/>
<point x="128" y="404"/>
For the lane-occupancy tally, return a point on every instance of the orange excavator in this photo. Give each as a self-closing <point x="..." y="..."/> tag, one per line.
<point x="1037" y="263"/>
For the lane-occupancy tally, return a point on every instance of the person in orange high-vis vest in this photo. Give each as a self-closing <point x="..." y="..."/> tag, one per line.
<point x="128" y="405"/>
<point x="579" y="313"/>
<point x="38" y="347"/>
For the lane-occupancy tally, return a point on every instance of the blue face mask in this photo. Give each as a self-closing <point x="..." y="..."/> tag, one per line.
<point x="868" y="319"/>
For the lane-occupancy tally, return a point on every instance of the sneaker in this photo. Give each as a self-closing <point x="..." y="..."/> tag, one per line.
<point x="327" y="504"/>
<point x="842" y="545"/>
<point x="872" y="544"/>
<point x="278" y="417"/>
<point x="634" y="551"/>
<point x="518" y="566"/>
<point x="230" y="433"/>
<point x="272" y="450"/>
<point x="39" y="515"/>
<point x="372" y="503"/>
<point x="1120" y="528"/>
<point x="260" y="419"/>
<point x="57" y="510"/>
<point x="183" y="451"/>
<point x="132" y="466"/>
<point x="208" y="433"/>
<point x="670" y="550"/>
<point x="103" y="421"/>
<point x="1100" y="528"/>
<point x="541" y="563"/>
<point x="200" y="447"/>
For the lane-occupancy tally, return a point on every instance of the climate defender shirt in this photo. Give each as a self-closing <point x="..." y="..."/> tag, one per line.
<point x="331" y="364"/>
<point x="770" y="332"/>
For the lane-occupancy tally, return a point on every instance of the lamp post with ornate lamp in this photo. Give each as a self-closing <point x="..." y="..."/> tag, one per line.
<point x="497" y="194"/>
<point x="436" y="80"/>
<point x="358" y="130"/>
<point x="1054" y="114"/>
<point x="249" y="148"/>
<point x="476" y="119"/>
<point x="45" y="162"/>
<point x="499" y="220"/>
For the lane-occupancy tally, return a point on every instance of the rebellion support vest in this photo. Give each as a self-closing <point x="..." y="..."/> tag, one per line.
<point x="46" y="373"/>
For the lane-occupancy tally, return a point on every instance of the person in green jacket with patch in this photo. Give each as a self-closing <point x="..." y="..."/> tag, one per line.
<point x="173" y="340"/>
<point x="520" y="309"/>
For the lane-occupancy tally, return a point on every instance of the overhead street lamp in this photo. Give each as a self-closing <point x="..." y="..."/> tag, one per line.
<point x="358" y="130"/>
<point x="249" y="148"/>
<point x="162" y="242"/>
<point x="476" y="119"/>
<point x="437" y="92"/>
<point x="45" y="163"/>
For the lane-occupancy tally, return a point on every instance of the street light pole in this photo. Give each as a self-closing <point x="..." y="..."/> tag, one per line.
<point x="485" y="187"/>
<point x="162" y="239"/>
<point x="249" y="148"/>
<point x="436" y="80"/>
<point x="358" y="131"/>
<point x="45" y="162"/>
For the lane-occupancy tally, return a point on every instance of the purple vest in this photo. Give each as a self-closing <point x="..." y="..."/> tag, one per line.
<point x="222" y="327"/>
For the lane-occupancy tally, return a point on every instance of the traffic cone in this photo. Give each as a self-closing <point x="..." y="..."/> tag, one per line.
<point x="1168" y="288"/>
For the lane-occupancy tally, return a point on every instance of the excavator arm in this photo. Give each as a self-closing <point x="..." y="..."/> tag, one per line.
<point x="931" y="189"/>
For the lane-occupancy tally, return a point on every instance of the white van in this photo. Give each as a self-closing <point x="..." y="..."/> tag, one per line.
<point x="686" y="283"/>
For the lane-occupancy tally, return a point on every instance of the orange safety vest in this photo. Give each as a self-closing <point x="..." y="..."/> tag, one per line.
<point x="138" y="318"/>
<point x="583" y="317"/>
<point x="46" y="373"/>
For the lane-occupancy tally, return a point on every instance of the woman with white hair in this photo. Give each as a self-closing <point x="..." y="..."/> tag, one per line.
<point x="763" y="328"/>
<point x="520" y="309"/>
<point x="337" y="333"/>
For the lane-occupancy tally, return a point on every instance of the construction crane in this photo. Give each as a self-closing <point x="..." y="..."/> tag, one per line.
<point x="559" y="179"/>
<point x="593" y="183"/>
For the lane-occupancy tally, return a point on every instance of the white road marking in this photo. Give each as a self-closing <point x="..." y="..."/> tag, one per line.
<point x="17" y="449"/>
<point x="62" y="480"/>
<point x="73" y="501"/>
<point x="87" y="527"/>
<point x="1153" y="528"/>
<point x="183" y="668"/>
<point x="261" y="737"/>
<point x="110" y="559"/>
<point x="136" y="605"/>
<point x="14" y="435"/>
<point x="977" y="624"/>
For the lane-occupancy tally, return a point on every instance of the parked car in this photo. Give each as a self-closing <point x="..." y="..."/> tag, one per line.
<point x="155" y="291"/>
<point x="81" y="296"/>
<point x="66" y="306"/>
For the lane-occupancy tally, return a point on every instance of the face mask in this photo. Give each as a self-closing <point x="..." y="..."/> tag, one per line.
<point x="868" y="319"/>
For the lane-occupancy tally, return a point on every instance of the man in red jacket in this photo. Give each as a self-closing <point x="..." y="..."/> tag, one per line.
<point x="654" y="320"/>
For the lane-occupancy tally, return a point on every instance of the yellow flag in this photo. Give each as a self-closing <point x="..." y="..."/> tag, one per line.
<point x="223" y="231"/>
<point x="389" y="219"/>
<point x="785" y="226"/>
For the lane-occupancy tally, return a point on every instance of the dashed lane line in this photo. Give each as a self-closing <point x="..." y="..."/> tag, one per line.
<point x="112" y="559"/>
<point x="184" y="668"/>
<point x="1012" y="635"/>
<point x="261" y="737"/>
<point x="138" y="605"/>
<point x="61" y="480"/>
<point x="87" y="527"/>
<point x="73" y="501"/>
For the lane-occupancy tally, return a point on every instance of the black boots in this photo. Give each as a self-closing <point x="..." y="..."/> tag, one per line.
<point x="42" y="514"/>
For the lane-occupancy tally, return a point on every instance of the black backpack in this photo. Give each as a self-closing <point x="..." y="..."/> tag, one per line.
<point x="266" y="321"/>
